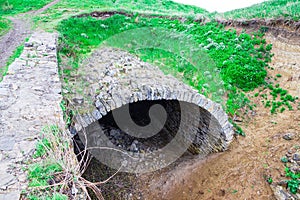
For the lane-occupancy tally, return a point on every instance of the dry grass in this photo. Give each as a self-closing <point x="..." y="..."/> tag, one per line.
<point x="56" y="149"/>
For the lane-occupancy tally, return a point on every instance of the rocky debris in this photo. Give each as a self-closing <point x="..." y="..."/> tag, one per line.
<point x="78" y="100"/>
<point x="280" y="188"/>
<point x="29" y="100"/>
<point x="289" y="136"/>
<point x="296" y="157"/>
<point x="282" y="194"/>
<point x="28" y="44"/>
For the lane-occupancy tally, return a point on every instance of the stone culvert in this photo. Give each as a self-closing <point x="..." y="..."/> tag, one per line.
<point x="116" y="81"/>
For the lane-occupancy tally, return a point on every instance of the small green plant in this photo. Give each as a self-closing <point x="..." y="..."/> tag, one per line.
<point x="238" y="129"/>
<point x="293" y="183"/>
<point x="270" y="180"/>
<point x="11" y="59"/>
<point x="41" y="148"/>
<point x="51" y="161"/>
<point x="284" y="159"/>
<point x="54" y="170"/>
<point x="67" y="113"/>
<point x="4" y="25"/>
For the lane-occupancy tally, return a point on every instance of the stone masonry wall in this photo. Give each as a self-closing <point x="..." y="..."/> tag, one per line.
<point x="29" y="100"/>
<point x="111" y="78"/>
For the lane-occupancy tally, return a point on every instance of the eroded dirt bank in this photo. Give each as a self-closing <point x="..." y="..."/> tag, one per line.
<point x="242" y="171"/>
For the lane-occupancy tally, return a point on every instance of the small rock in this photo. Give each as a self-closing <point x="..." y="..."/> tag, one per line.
<point x="28" y="44"/>
<point x="296" y="157"/>
<point x="133" y="147"/>
<point x="74" y="190"/>
<point x="73" y="130"/>
<point x="295" y="169"/>
<point x="7" y="143"/>
<point x="51" y="47"/>
<point x="78" y="100"/>
<point x="115" y="133"/>
<point x="280" y="193"/>
<point x="135" y="141"/>
<point x="282" y="183"/>
<point x="289" y="136"/>
<point x="22" y="178"/>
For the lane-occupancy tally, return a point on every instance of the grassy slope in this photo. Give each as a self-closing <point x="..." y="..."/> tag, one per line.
<point x="289" y="9"/>
<point x="8" y="7"/>
<point x="11" y="7"/>
<point x="66" y="8"/>
<point x="4" y="26"/>
<point x="228" y="50"/>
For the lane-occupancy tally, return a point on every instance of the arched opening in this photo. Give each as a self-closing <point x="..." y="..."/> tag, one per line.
<point x="208" y="139"/>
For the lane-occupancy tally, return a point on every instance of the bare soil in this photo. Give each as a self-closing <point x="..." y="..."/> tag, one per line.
<point x="242" y="171"/>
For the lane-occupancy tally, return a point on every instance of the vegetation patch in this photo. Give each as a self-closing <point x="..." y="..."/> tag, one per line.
<point x="8" y="7"/>
<point x="294" y="180"/>
<point x="68" y="8"/>
<point x="288" y="9"/>
<point x="4" y="26"/>
<point x="16" y="54"/>
<point x="54" y="171"/>
<point x="240" y="59"/>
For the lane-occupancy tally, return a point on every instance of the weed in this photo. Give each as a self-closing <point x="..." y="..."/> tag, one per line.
<point x="284" y="159"/>
<point x="4" y="26"/>
<point x="67" y="113"/>
<point x="57" y="171"/>
<point x="238" y="129"/>
<point x="41" y="148"/>
<point x="11" y="59"/>
<point x="270" y="180"/>
<point x="293" y="183"/>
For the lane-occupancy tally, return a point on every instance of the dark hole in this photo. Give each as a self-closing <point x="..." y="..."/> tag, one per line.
<point x="123" y="184"/>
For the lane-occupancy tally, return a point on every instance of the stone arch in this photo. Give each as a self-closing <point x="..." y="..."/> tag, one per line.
<point x="123" y="79"/>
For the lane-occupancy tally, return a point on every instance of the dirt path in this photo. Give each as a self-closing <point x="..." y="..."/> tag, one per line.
<point x="241" y="172"/>
<point x="19" y="32"/>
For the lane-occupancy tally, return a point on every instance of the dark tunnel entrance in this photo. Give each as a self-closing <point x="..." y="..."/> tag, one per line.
<point x="205" y="142"/>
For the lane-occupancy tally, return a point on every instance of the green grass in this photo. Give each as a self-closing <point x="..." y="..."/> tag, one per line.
<point x="66" y="8"/>
<point x="11" y="59"/>
<point x="289" y="9"/>
<point x="4" y="26"/>
<point x="52" y="167"/>
<point x="240" y="59"/>
<point x="294" y="181"/>
<point x="8" y="7"/>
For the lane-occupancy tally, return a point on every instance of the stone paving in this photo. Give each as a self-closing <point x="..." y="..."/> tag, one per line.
<point x="30" y="94"/>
